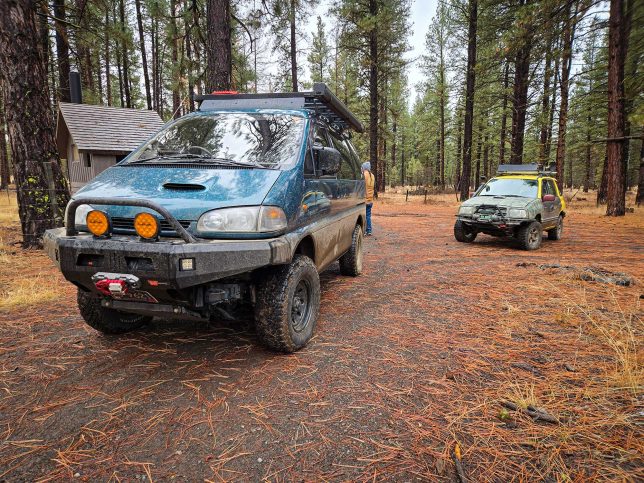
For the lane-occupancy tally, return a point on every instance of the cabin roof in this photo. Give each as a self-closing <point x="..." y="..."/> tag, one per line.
<point x="104" y="129"/>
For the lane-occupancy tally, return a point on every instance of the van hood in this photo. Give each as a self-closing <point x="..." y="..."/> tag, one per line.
<point x="186" y="192"/>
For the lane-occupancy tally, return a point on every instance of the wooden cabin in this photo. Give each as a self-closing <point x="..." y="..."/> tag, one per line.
<point x="92" y="138"/>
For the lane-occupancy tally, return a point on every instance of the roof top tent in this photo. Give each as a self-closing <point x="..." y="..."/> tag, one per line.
<point x="320" y="100"/>
<point x="92" y="138"/>
<point x="533" y="168"/>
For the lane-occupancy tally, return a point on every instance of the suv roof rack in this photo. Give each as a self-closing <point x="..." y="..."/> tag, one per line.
<point x="534" y="168"/>
<point x="320" y="100"/>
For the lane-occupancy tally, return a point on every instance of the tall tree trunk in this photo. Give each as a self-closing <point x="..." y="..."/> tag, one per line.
<point x="616" y="195"/>
<point x="293" y="46"/>
<point x="640" y="182"/>
<point x="587" y="177"/>
<point x="120" y="73"/>
<point x="176" y="68"/>
<point x="84" y="59"/>
<point x="4" y="156"/>
<point x="41" y="186"/>
<point x="189" y="74"/>
<point x="373" y="93"/>
<point x="125" y="54"/>
<point x="545" y="103"/>
<point x="520" y="96"/>
<point x="144" y="56"/>
<point x="459" y="148"/>
<point x="218" y="45"/>
<point x="566" y="64"/>
<point x="442" y="100"/>
<point x="602" y="192"/>
<point x="486" y="152"/>
<point x="504" y="112"/>
<point x="479" y="146"/>
<point x="469" y="100"/>
<point x="553" y="102"/>
<point x="394" y="129"/>
<point x="108" y="80"/>
<point x="62" y="50"/>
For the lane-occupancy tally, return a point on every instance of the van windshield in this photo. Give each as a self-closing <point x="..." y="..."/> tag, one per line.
<point x="233" y="139"/>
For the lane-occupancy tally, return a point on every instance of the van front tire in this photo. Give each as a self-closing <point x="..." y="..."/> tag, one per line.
<point x="107" y="321"/>
<point x="287" y="305"/>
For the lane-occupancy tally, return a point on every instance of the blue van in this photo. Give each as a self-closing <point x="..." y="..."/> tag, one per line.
<point x="243" y="202"/>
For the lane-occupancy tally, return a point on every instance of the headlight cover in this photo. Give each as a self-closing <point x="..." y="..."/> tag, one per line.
<point x="243" y="219"/>
<point x="517" y="213"/>
<point x="466" y="210"/>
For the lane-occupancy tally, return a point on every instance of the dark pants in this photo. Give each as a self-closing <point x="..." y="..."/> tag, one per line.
<point x="369" y="205"/>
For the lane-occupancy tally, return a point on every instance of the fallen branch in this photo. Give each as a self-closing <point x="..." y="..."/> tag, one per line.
<point x="456" y="456"/>
<point x="536" y="414"/>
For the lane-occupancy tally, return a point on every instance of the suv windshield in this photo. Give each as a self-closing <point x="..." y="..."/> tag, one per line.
<point x="526" y="188"/>
<point x="262" y="140"/>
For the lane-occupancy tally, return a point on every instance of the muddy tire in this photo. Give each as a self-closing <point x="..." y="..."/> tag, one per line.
<point x="287" y="305"/>
<point x="530" y="235"/>
<point x="462" y="233"/>
<point x="105" y="320"/>
<point x="557" y="232"/>
<point x="351" y="262"/>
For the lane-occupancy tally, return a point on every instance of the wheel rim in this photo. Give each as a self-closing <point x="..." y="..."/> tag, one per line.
<point x="533" y="236"/>
<point x="301" y="306"/>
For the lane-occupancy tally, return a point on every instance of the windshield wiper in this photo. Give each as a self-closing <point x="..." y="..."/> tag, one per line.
<point x="197" y="159"/>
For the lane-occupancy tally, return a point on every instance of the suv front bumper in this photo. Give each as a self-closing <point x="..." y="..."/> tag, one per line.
<point x="494" y="225"/>
<point x="80" y="256"/>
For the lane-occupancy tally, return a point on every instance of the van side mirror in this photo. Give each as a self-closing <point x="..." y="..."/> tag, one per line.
<point x="548" y="198"/>
<point x="328" y="160"/>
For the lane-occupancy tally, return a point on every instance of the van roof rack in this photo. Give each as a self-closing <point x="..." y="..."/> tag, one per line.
<point x="320" y="100"/>
<point x="533" y="168"/>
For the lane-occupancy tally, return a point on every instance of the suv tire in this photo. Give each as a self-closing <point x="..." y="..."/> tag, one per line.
<point x="462" y="233"/>
<point x="351" y="262"/>
<point x="107" y="321"/>
<point x="557" y="232"/>
<point x="287" y="306"/>
<point x="530" y="235"/>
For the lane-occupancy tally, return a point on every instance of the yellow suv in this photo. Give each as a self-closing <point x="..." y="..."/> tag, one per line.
<point x="521" y="201"/>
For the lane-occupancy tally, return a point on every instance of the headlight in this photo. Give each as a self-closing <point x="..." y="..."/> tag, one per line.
<point x="80" y="219"/>
<point x="466" y="210"/>
<point x="517" y="213"/>
<point x="245" y="219"/>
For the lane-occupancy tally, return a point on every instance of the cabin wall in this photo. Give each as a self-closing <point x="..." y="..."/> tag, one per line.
<point x="79" y="174"/>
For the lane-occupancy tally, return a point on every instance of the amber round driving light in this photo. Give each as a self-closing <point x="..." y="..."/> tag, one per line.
<point x="146" y="226"/>
<point x="98" y="223"/>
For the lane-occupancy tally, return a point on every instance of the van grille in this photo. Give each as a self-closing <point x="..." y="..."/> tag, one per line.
<point x="128" y="224"/>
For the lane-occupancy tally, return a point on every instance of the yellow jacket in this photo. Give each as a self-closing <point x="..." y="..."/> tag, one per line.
<point x="370" y="183"/>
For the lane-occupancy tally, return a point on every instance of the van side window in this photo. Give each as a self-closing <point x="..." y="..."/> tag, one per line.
<point x="355" y="159"/>
<point x="347" y="165"/>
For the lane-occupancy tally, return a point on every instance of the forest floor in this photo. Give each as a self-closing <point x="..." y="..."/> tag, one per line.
<point x="418" y="363"/>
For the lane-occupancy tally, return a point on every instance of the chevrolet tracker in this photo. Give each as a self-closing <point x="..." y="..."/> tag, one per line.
<point x="520" y="202"/>
<point x="241" y="203"/>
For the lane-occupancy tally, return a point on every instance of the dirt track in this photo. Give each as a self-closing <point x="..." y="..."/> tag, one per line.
<point x="410" y="358"/>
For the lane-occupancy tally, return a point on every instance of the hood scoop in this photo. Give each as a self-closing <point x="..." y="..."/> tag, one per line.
<point x="184" y="187"/>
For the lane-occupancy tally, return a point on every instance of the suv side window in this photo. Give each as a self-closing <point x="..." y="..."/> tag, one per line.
<point x="347" y="166"/>
<point x="547" y="188"/>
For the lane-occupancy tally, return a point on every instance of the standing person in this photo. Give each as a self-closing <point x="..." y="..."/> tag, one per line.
<point x="370" y="183"/>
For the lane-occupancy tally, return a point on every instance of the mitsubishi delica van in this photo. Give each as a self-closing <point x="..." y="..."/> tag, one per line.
<point x="243" y="202"/>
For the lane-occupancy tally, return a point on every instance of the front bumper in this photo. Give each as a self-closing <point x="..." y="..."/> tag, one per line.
<point x="495" y="224"/>
<point x="80" y="256"/>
